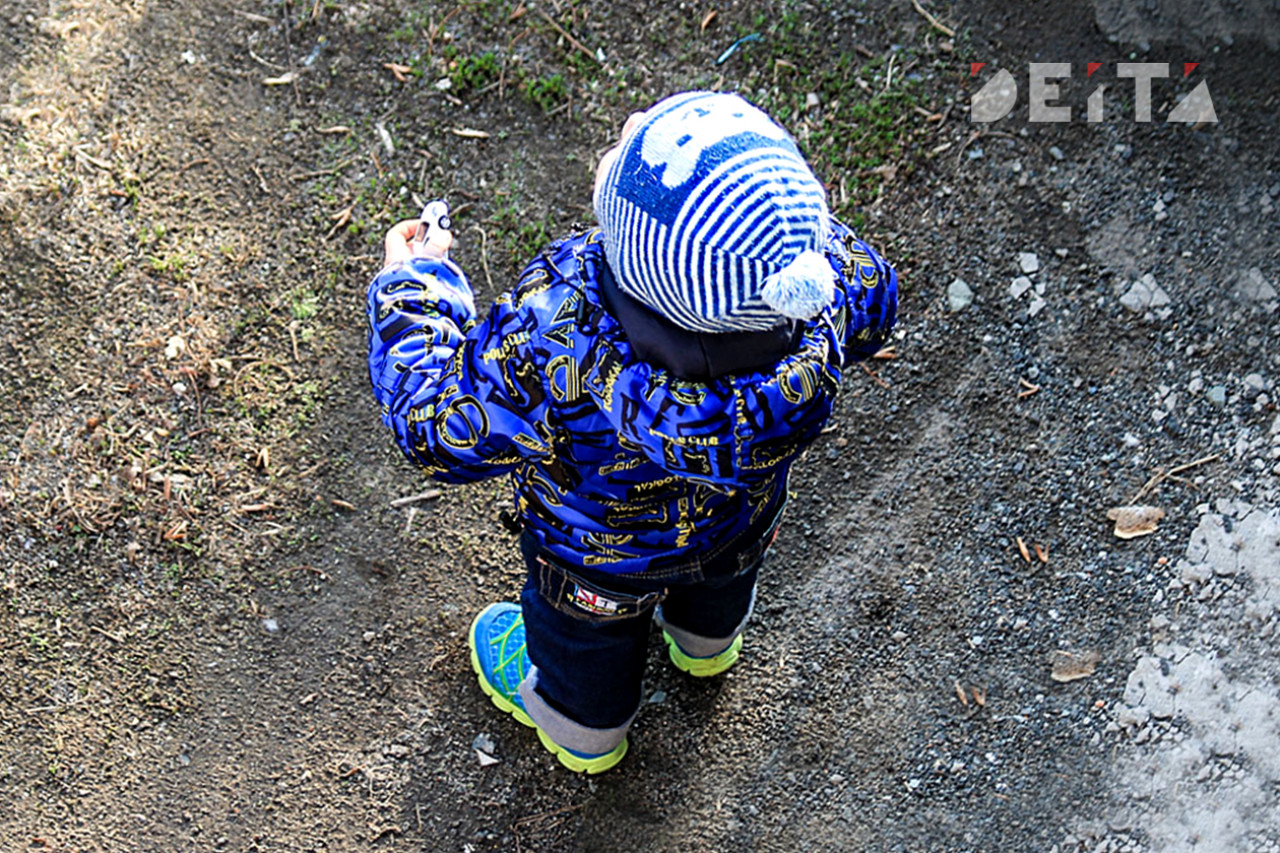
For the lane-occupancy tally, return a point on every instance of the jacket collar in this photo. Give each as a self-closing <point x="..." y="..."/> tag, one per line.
<point x="694" y="356"/>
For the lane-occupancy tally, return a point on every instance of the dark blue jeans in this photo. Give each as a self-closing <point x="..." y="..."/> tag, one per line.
<point x="587" y="631"/>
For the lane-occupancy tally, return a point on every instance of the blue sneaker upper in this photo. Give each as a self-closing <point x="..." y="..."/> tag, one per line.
<point x="498" y="646"/>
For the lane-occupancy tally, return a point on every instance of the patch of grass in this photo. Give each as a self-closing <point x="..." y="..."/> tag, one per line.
<point x="174" y="266"/>
<point x="861" y="131"/>
<point x="303" y="304"/>
<point x="546" y="92"/>
<point x="472" y="73"/>
<point x="517" y="235"/>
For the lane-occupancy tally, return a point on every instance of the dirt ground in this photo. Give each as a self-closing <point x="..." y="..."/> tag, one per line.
<point x="219" y="633"/>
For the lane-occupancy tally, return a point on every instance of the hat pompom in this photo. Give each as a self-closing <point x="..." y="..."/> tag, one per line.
<point x="802" y="288"/>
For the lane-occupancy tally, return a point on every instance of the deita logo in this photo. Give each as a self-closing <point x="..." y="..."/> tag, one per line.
<point x="998" y="96"/>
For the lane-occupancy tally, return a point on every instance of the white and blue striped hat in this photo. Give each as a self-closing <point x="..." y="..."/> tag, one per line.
<point x="712" y="218"/>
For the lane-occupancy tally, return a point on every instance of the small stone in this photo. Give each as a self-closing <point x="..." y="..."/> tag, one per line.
<point x="1037" y="305"/>
<point x="812" y="100"/>
<point x="1217" y="395"/>
<point x="1056" y="153"/>
<point x="271" y="626"/>
<point x="1255" y="381"/>
<point x="1028" y="262"/>
<point x="658" y="697"/>
<point x="484" y="742"/>
<point x="369" y="636"/>
<point x="444" y="84"/>
<point x="959" y="295"/>
<point x="1254" y="287"/>
<point x="1143" y="294"/>
<point x="1020" y="285"/>
<point x="975" y="153"/>
<point x="1158" y="296"/>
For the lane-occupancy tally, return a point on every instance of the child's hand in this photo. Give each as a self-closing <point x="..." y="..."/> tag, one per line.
<point x="399" y="243"/>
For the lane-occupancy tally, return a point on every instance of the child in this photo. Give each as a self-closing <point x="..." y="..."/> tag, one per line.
<point x="648" y="385"/>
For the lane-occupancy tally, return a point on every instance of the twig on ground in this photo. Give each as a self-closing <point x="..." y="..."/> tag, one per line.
<point x="341" y="218"/>
<point x="484" y="259"/>
<point x="562" y="31"/>
<point x="875" y="376"/>
<point x="428" y="495"/>
<point x="933" y="22"/>
<point x="320" y="173"/>
<point x="1161" y="476"/>
<point x="265" y="63"/>
<point x="435" y="30"/>
<point x="317" y="572"/>
<point x="260" y="19"/>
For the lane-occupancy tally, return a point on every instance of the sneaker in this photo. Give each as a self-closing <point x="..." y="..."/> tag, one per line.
<point x="703" y="667"/>
<point x="500" y="661"/>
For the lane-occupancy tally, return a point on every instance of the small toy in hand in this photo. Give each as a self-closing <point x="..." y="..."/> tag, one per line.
<point x="435" y="233"/>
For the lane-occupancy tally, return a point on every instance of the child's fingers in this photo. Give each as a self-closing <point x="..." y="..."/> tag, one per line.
<point x="404" y="230"/>
<point x="398" y="239"/>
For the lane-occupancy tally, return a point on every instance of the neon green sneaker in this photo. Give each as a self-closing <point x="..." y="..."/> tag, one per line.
<point x="703" y="667"/>
<point x="500" y="661"/>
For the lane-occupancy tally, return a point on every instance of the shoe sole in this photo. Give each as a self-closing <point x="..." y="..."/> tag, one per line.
<point x="577" y="764"/>
<point x="703" y="667"/>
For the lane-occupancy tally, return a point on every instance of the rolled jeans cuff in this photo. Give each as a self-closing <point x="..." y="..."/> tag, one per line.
<point x="564" y="731"/>
<point x="698" y="646"/>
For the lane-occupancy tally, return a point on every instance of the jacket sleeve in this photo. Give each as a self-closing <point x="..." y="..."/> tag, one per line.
<point x="870" y="288"/>
<point x="455" y="392"/>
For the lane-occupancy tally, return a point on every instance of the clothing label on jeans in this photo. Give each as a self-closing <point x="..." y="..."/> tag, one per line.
<point x="592" y="602"/>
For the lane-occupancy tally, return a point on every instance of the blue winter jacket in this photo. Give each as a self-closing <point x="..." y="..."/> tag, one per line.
<point x="617" y="463"/>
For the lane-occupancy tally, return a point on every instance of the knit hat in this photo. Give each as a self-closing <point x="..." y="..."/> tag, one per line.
<point x="712" y="218"/>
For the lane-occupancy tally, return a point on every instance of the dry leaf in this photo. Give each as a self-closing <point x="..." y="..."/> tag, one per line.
<point x="706" y="22"/>
<point x="469" y="133"/>
<point x="337" y="128"/>
<point x="282" y="80"/>
<point x="1042" y="552"/>
<point x="1022" y="549"/>
<point x="1132" y="521"/>
<point x="1071" y="666"/>
<point x="964" y="700"/>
